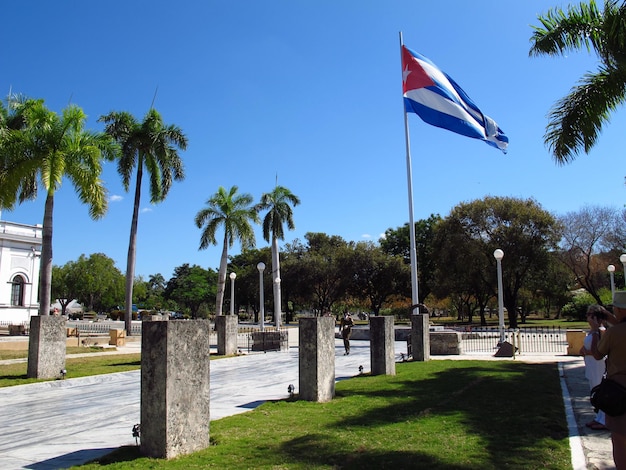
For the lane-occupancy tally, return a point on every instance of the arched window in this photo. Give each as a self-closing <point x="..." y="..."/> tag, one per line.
<point x="17" y="291"/>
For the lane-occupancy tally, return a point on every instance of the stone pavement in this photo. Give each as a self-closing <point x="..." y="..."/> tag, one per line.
<point x="53" y="425"/>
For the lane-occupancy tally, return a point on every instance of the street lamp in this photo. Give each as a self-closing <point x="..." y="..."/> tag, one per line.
<point x="261" y="268"/>
<point x="232" y="293"/>
<point x="622" y="258"/>
<point x="498" y="255"/>
<point x="611" y="269"/>
<point x="277" y="312"/>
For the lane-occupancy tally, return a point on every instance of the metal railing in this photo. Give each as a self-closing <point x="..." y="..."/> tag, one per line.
<point x="526" y="340"/>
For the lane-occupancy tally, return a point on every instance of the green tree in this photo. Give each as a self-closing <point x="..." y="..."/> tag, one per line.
<point x="521" y="228"/>
<point x="62" y="289"/>
<point x="153" y="146"/>
<point x="234" y="212"/>
<point x="191" y="287"/>
<point x="278" y="205"/>
<point x="46" y="149"/>
<point x="576" y="120"/>
<point x="377" y="276"/>
<point x="397" y="241"/>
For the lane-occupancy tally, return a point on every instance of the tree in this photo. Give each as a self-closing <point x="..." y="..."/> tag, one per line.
<point x="521" y="228"/>
<point x="587" y="234"/>
<point x="191" y="287"/>
<point x="576" y="120"/>
<point x="152" y="145"/>
<point x="61" y="289"/>
<point x="377" y="276"/>
<point x="234" y="212"/>
<point x="46" y="149"/>
<point x="397" y="241"/>
<point x="278" y="205"/>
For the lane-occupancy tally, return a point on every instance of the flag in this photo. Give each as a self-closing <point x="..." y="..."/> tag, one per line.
<point x="440" y="101"/>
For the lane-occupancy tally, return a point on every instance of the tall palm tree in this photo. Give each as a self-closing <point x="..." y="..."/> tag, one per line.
<point x="44" y="150"/>
<point x="234" y="212"/>
<point x="278" y="205"/>
<point x="576" y="120"/>
<point x="153" y="146"/>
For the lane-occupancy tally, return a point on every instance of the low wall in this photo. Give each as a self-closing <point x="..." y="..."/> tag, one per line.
<point x="442" y="342"/>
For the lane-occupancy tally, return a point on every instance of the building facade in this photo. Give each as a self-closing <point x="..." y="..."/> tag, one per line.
<point x="20" y="254"/>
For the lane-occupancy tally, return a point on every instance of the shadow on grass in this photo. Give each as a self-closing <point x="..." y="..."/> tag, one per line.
<point x="514" y="408"/>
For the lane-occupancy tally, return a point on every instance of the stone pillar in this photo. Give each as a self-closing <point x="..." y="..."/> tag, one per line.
<point x="46" y="347"/>
<point x="420" y="337"/>
<point x="382" y="345"/>
<point x="227" y="327"/>
<point x="175" y="392"/>
<point x="317" y="358"/>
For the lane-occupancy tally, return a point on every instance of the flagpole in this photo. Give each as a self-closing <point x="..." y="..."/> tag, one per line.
<point x="409" y="177"/>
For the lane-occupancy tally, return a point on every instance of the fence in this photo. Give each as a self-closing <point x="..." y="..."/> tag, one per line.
<point x="526" y="340"/>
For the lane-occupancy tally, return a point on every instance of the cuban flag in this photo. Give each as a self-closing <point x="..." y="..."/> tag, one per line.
<point x="439" y="101"/>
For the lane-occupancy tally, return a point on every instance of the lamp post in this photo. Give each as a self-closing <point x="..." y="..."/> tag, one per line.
<point x="261" y="268"/>
<point x="498" y="255"/>
<point x="232" y="292"/>
<point x="611" y="269"/>
<point x="622" y="258"/>
<point x="277" y="308"/>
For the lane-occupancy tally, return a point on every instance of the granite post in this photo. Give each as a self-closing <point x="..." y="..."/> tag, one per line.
<point x="382" y="345"/>
<point x="46" y="347"/>
<point x="227" y="327"/>
<point x="175" y="387"/>
<point x="316" y="354"/>
<point x="420" y="337"/>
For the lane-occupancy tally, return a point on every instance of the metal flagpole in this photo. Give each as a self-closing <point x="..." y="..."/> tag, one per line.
<point x="409" y="177"/>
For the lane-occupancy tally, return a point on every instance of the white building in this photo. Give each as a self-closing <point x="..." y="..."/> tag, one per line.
<point x="20" y="253"/>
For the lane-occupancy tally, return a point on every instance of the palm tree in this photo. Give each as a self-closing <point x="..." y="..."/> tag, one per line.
<point x="152" y="145"/>
<point x="278" y="205"/>
<point x="576" y="120"/>
<point x="45" y="149"/>
<point x="234" y="212"/>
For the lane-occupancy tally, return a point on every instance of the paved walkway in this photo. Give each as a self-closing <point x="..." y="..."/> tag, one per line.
<point x="53" y="425"/>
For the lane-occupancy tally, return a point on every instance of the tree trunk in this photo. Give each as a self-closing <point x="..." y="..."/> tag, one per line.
<point x="276" y="285"/>
<point x="45" y="273"/>
<point x="221" y="277"/>
<point x="132" y="252"/>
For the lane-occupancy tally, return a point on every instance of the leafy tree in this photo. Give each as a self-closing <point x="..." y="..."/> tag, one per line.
<point x="234" y="212"/>
<point x="151" y="145"/>
<point x="278" y="205"/>
<point x="521" y="228"/>
<point x="397" y="242"/>
<point x="377" y="276"/>
<point x="576" y="120"/>
<point x="191" y="287"/>
<point x="46" y="149"/>
<point x="587" y="234"/>
<point x="94" y="281"/>
<point x="61" y="288"/>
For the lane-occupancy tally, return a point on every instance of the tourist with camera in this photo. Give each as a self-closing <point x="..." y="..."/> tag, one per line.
<point x="594" y="368"/>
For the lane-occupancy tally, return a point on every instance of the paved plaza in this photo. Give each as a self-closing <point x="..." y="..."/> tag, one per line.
<point x="53" y="425"/>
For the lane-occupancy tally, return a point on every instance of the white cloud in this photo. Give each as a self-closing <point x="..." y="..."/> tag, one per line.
<point x="116" y="198"/>
<point x="146" y="209"/>
<point x="366" y="235"/>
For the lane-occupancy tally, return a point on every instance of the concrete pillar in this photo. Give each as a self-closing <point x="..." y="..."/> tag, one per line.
<point x="382" y="345"/>
<point x="175" y="392"/>
<point x="227" y="327"/>
<point x="420" y="337"/>
<point x="46" y="347"/>
<point x="317" y="358"/>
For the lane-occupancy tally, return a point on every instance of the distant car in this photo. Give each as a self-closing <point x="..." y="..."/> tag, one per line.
<point x="176" y="315"/>
<point x="363" y="316"/>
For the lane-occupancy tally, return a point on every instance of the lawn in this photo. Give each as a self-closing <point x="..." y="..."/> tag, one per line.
<point x="441" y="414"/>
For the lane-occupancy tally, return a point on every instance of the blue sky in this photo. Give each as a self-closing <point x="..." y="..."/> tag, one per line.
<point x="307" y="92"/>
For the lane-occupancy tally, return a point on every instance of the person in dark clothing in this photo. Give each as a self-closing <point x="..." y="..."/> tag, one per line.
<point x="345" y="326"/>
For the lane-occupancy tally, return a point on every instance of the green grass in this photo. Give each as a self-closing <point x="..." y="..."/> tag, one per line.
<point x="450" y="415"/>
<point x="15" y="374"/>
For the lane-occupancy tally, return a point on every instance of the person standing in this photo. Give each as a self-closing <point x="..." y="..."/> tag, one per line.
<point x="613" y="346"/>
<point x="594" y="368"/>
<point x="345" y="326"/>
